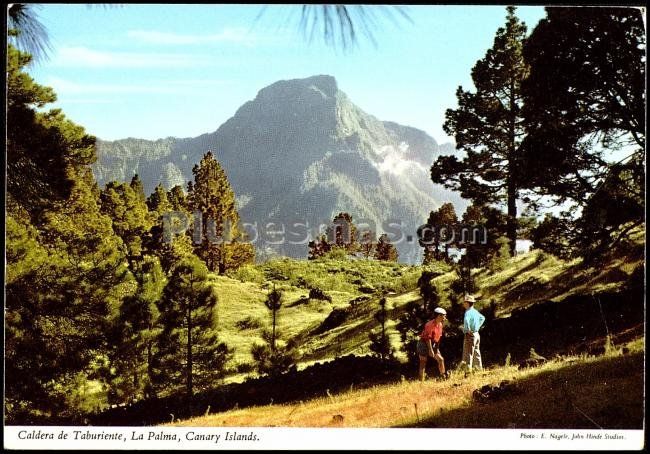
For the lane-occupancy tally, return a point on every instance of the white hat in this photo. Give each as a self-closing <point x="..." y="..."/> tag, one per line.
<point x="439" y="310"/>
<point x="470" y="299"/>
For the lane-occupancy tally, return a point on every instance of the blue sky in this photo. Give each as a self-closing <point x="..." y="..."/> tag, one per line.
<point x="153" y="71"/>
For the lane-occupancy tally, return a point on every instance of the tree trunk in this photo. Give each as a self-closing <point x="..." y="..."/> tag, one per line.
<point x="222" y="260"/>
<point x="149" y="367"/>
<point x="136" y="382"/>
<point x="511" y="186"/>
<point x="466" y="274"/>
<point x="384" y="353"/>
<point x="273" y="335"/>
<point x="512" y="217"/>
<point x="189" y="355"/>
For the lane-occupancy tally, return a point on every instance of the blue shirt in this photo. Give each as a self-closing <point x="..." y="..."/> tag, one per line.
<point x="473" y="320"/>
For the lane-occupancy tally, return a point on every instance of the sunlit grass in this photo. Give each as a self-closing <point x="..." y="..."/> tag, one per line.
<point x="450" y="404"/>
<point x="577" y="392"/>
<point x="526" y="280"/>
<point x="242" y="295"/>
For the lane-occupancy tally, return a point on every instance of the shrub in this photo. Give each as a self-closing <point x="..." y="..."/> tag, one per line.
<point x="462" y="285"/>
<point x="356" y="302"/>
<point x="410" y="325"/>
<point x="270" y="362"/>
<point x="301" y="282"/>
<point x="610" y="348"/>
<point x="499" y="261"/>
<point x="317" y="294"/>
<point x="337" y="253"/>
<point x="367" y="289"/>
<point x="428" y="291"/>
<point x="379" y="340"/>
<point x="302" y="300"/>
<point x="380" y="345"/>
<point x="407" y="282"/>
<point x="244" y="368"/>
<point x="542" y="256"/>
<point x="248" y="323"/>
<point x="247" y="273"/>
<point x="334" y="319"/>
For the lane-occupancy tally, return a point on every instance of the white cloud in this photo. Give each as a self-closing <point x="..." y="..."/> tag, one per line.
<point x="91" y="101"/>
<point x="85" y="57"/>
<point x="392" y="160"/>
<point x="67" y="87"/>
<point x="227" y="35"/>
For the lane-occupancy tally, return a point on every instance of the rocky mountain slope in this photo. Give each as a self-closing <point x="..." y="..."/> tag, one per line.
<point x="301" y="152"/>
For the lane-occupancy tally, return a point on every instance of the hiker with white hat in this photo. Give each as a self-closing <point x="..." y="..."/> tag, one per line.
<point x="429" y="343"/>
<point x="472" y="323"/>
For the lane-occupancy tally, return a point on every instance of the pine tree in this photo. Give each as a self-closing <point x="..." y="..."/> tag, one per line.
<point x="273" y="362"/>
<point x="367" y="243"/>
<point x="65" y="278"/>
<point x="222" y="246"/>
<point x="273" y="357"/>
<point x="441" y="227"/>
<point x="65" y="270"/>
<point x="448" y="221"/>
<point x="343" y="233"/>
<point x="584" y="97"/>
<point x="385" y="249"/>
<point x="138" y="188"/>
<point x="488" y="125"/>
<point x="585" y="107"/>
<point x="134" y="336"/>
<point x="428" y="291"/>
<point x="180" y="246"/>
<point x="41" y="144"/>
<point x="130" y="215"/>
<point x="495" y="223"/>
<point x="429" y="255"/>
<point x="380" y="341"/>
<point x="158" y="202"/>
<point x="177" y="199"/>
<point x="613" y="211"/>
<point x="319" y="247"/>
<point x="189" y="351"/>
<point x="555" y="236"/>
<point x="429" y="238"/>
<point x="273" y="303"/>
<point x="410" y="325"/>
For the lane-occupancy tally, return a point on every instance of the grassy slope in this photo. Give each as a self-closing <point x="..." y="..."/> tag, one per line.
<point x="242" y="297"/>
<point x="536" y="276"/>
<point x="524" y="281"/>
<point x="569" y="392"/>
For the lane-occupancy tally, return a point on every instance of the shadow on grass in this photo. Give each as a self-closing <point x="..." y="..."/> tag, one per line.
<point x="531" y="266"/>
<point x="606" y="394"/>
<point x="550" y="328"/>
<point x="555" y="328"/>
<point x="318" y="380"/>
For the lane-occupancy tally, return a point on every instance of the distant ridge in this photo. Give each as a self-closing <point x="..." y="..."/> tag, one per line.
<point x="300" y="151"/>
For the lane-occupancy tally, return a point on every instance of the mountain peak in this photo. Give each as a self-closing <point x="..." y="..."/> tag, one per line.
<point x="323" y="84"/>
<point x="301" y="150"/>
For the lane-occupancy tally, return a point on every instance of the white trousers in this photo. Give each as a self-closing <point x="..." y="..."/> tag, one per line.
<point x="472" y="351"/>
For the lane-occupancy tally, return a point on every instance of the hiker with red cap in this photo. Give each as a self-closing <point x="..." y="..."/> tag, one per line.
<point x="429" y="343"/>
<point x="472" y="323"/>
